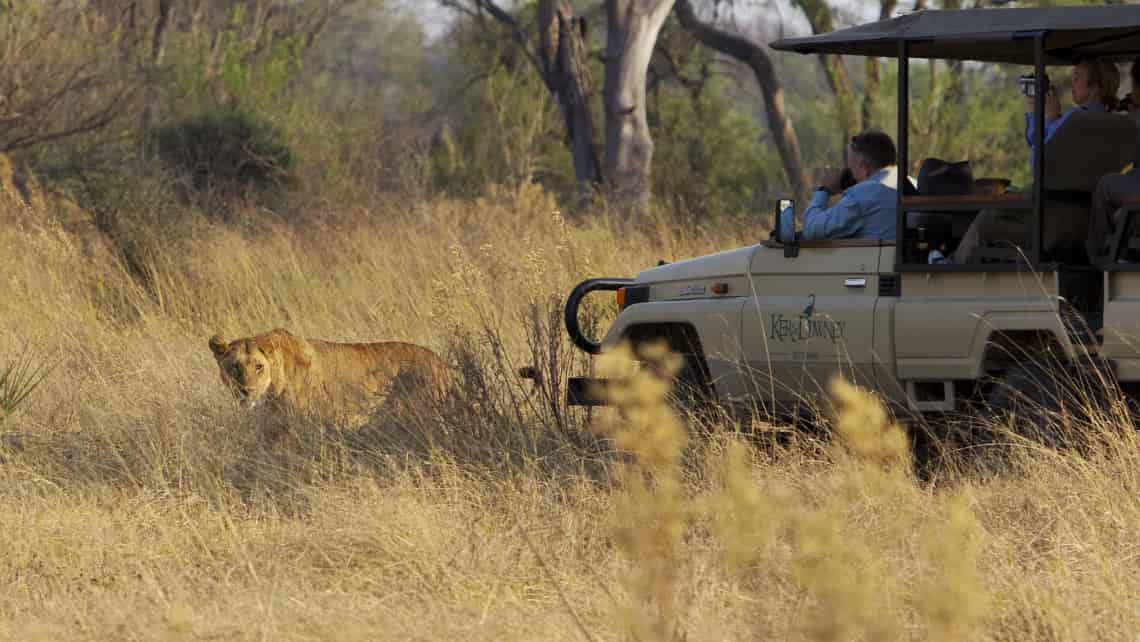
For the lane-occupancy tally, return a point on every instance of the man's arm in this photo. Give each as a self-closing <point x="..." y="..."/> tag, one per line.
<point x="839" y="221"/>
<point x="822" y="222"/>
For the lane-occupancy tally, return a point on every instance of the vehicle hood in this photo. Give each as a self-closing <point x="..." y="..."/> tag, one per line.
<point x="721" y="264"/>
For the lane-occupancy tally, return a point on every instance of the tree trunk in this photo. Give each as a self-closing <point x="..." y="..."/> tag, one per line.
<point x="757" y="59"/>
<point x="874" y="77"/>
<point x="633" y="26"/>
<point x="560" y="61"/>
<point x="157" y="52"/>
<point x="819" y="17"/>
<point x="562" y="54"/>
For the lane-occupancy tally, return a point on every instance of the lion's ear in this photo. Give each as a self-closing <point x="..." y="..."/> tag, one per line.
<point x="218" y="345"/>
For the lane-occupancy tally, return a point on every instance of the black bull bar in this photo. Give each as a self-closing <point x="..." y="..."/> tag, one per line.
<point x="584" y="343"/>
<point x="586" y="391"/>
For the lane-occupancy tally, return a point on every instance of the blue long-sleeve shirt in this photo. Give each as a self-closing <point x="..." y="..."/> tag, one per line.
<point x="867" y="210"/>
<point x="1051" y="126"/>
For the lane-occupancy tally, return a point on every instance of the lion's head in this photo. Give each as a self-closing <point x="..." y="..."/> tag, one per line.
<point x="246" y="366"/>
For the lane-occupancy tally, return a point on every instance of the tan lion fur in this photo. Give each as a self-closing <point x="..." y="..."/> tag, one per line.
<point x="288" y="373"/>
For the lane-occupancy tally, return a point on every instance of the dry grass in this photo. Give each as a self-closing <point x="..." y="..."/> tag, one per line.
<point x="137" y="503"/>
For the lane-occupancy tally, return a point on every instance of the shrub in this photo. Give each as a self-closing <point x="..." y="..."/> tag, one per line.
<point x="227" y="152"/>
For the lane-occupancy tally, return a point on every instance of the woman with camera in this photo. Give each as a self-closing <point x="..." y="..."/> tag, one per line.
<point x="1095" y="83"/>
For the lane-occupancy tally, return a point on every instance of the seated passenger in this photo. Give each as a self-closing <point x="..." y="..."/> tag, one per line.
<point x="867" y="209"/>
<point x="1112" y="189"/>
<point x="1107" y="199"/>
<point x="1095" y="83"/>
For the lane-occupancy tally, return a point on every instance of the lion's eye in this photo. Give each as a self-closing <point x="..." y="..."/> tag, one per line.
<point x="260" y="367"/>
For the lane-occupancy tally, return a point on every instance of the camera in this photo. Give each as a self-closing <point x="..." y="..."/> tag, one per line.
<point x="1028" y="84"/>
<point x="846" y="179"/>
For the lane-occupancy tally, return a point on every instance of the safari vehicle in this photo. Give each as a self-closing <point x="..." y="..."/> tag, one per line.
<point x="768" y="325"/>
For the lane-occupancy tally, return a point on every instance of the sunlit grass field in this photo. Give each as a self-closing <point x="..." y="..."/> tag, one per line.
<point x="137" y="502"/>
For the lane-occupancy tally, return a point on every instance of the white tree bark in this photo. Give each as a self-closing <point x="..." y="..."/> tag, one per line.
<point x="633" y="26"/>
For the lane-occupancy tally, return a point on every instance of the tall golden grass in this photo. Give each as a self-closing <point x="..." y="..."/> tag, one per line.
<point x="136" y="502"/>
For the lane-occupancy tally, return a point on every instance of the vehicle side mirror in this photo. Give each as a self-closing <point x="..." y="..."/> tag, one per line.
<point x="792" y="246"/>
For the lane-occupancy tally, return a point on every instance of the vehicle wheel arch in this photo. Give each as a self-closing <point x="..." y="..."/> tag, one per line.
<point x="683" y="338"/>
<point x="1003" y="348"/>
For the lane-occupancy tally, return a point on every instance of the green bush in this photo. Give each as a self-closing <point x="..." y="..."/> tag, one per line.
<point x="227" y="152"/>
<point x="709" y="160"/>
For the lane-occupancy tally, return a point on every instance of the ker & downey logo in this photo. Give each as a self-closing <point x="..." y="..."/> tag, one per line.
<point x="805" y="327"/>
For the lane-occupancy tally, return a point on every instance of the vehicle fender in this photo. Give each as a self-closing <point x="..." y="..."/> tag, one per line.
<point x="1044" y="322"/>
<point x="973" y="366"/>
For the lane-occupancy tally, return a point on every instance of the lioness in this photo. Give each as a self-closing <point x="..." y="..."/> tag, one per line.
<point x="293" y="374"/>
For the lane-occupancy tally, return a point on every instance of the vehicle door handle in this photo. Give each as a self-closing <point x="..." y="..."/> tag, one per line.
<point x="855" y="283"/>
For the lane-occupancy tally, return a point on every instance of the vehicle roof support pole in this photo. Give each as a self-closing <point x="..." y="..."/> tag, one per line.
<point x="903" y="162"/>
<point x="1038" y="148"/>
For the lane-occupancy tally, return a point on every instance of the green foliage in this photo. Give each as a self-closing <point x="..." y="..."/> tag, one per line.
<point x="506" y="131"/>
<point x="227" y="150"/>
<point x="232" y="66"/>
<point x="975" y="113"/>
<point x="19" y="379"/>
<point x="708" y="158"/>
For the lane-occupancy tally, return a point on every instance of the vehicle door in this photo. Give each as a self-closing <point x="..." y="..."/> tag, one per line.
<point x="810" y="317"/>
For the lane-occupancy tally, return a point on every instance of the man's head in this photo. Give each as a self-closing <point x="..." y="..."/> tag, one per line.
<point x="1095" y="79"/>
<point x="869" y="152"/>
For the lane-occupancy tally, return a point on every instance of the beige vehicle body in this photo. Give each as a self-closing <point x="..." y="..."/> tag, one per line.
<point x="770" y="324"/>
<point x="765" y="329"/>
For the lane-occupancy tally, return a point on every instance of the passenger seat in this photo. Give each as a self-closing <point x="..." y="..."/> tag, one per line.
<point x="1088" y="146"/>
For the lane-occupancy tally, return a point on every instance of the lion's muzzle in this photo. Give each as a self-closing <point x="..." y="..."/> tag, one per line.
<point x="246" y="398"/>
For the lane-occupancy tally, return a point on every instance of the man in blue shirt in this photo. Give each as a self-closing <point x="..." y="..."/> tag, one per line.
<point x="867" y="209"/>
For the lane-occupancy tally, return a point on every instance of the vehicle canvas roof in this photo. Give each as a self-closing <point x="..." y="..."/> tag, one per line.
<point x="988" y="35"/>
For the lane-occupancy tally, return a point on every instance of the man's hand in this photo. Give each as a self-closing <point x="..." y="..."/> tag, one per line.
<point x="829" y="179"/>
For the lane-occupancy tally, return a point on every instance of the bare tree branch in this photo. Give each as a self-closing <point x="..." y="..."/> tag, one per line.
<point x="502" y="17"/>
<point x="93" y="122"/>
<point x="757" y="59"/>
<point x="63" y="72"/>
<point x="559" y="58"/>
